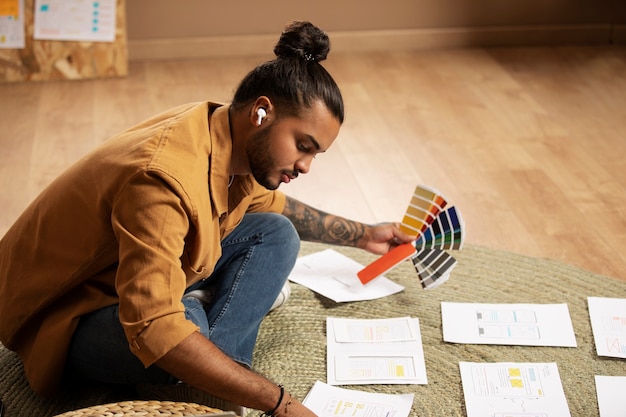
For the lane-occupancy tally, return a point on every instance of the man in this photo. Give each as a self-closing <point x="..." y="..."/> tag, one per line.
<point x="154" y="258"/>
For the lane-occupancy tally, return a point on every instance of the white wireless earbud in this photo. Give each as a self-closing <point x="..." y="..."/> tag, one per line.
<point x="261" y="113"/>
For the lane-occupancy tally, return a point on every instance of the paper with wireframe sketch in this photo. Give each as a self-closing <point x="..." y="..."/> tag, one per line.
<point x="334" y="276"/>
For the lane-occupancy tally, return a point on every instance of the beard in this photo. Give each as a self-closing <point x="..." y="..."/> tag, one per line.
<point x="262" y="164"/>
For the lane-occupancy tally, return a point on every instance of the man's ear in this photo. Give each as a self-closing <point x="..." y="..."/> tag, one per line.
<point x="261" y="110"/>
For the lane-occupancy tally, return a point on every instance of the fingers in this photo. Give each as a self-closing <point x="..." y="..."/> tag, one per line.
<point x="400" y="236"/>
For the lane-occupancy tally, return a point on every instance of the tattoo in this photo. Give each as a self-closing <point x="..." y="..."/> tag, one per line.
<point x="317" y="226"/>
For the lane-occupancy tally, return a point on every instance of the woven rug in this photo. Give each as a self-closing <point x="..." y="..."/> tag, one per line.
<point x="292" y="344"/>
<point x="291" y="348"/>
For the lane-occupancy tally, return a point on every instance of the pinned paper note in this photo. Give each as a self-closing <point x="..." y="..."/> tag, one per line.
<point x="9" y="8"/>
<point x="75" y="20"/>
<point x="439" y="228"/>
<point x="12" y="24"/>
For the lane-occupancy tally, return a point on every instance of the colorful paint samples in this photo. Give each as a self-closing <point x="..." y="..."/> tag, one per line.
<point x="439" y="228"/>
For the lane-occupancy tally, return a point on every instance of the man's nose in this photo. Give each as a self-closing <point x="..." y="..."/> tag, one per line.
<point x="304" y="165"/>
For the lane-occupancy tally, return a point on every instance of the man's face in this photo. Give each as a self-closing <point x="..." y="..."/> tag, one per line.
<point x="280" y="151"/>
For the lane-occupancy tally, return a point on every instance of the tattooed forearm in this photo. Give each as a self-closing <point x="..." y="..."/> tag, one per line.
<point x="316" y="226"/>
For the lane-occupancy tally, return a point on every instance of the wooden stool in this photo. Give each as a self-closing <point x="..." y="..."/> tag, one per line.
<point x="144" y="409"/>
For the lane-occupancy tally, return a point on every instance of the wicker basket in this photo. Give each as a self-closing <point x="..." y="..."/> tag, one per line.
<point x="143" y="409"/>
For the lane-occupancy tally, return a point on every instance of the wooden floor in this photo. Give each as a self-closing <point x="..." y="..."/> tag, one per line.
<point x="528" y="143"/>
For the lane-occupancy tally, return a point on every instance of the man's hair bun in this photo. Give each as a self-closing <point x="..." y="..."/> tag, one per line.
<point x="303" y="40"/>
<point x="295" y="79"/>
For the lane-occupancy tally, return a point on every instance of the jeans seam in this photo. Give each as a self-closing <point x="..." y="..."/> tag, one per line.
<point x="244" y="264"/>
<point x="256" y="236"/>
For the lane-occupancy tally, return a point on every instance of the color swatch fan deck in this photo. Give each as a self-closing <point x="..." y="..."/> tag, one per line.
<point x="439" y="228"/>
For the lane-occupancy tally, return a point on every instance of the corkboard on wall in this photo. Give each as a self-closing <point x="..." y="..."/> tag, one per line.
<point x="64" y="60"/>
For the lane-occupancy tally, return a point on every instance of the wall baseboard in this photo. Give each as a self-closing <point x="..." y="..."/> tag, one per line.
<point x="409" y="39"/>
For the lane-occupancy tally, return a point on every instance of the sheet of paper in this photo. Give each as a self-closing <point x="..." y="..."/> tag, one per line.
<point x="75" y="20"/>
<point x="333" y="275"/>
<point x="328" y="401"/>
<point x="374" y="351"/>
<point x="513" y="389"/>
<point x="611" y="399"/>
<point x="608" y="322"/>
<point x="12" y="24"/>
<point x="508" y="324"/>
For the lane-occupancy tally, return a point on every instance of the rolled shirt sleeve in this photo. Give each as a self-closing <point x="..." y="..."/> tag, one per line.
<point x="151" y="225"/>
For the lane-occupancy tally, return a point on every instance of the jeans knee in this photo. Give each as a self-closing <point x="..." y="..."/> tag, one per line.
<point x="271" y="231"/>
<point x="286" y="234"/>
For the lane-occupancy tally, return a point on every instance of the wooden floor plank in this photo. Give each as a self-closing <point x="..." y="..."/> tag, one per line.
<point x="529" y="143"/>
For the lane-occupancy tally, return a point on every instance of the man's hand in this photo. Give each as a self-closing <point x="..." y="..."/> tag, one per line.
<point x="381" y="238"/>
<point x="199" y="363"/>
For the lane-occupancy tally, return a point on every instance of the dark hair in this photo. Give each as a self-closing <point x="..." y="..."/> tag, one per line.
<point x="295" y="79"/>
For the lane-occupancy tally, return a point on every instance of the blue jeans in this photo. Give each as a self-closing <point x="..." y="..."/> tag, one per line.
<point x="256" y="259"/>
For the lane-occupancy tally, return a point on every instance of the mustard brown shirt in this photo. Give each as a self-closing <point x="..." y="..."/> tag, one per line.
<point x="135" y="222"/>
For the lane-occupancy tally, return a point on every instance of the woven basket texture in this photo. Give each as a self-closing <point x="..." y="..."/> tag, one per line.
<point x="143" y="409"/>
